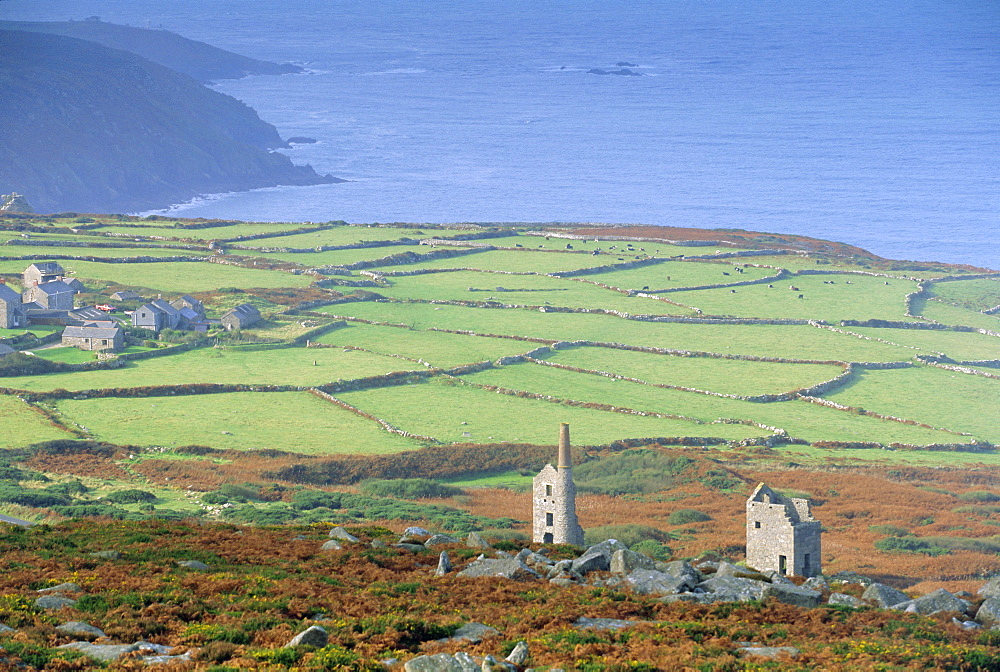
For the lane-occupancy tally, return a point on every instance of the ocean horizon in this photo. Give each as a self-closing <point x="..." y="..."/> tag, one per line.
<point x="873" y="125"/>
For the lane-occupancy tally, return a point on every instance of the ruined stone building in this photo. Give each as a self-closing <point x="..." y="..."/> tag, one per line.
<point x="554" y="499"/>
<point x="42" y="272"/>
<point x="11" y="314"/>
<point x="782" y="535"/>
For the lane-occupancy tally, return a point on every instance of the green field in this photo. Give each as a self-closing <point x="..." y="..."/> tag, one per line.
<point x="938" y="397"/>
<point x="800" y="419"/>
<point x="100" y="252"/>
<point x="300" y="422"/>
<point x="286" y="366"/>
<point x="236" y="421"/>
<point x="437" y="348"/>
<point x="792" y="342"/>
<point x="176" y="277"/>
<point x="22" y="425"/>
<point x="448" y="411"/>
<point x="864" y="298"/>
<point x="538" y="290"/>
<point x="727" y="376"/>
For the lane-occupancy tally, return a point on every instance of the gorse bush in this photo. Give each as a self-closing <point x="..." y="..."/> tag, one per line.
<point x="306" y="500"/>
<point x="979" y="496"/>
<point x="630" y="535"/>
<point x="686" y="516"/>
<point x="132" y="496"/>
<point x="408" y="488"/>
<point x="634" y="471"/>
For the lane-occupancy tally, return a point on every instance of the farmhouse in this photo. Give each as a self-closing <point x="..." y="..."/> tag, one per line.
<point x="54" y="295"/>
<point x="40" y="273"/>
<point x="102" y="336"/>
<point x="554" y="499"/>
<point x="782" y="535"/>
<point x="11" y="313"/>
<point x="189" y="302"/>
<point x="156" y="315"/>
<point x="126" y="295"/>
<point x="240" y="317"/>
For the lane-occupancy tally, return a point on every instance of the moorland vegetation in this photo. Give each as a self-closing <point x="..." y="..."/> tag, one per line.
<point x="691" y="367"/>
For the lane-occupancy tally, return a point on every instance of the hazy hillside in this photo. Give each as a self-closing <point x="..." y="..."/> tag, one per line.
<point x="195" y="59"/>
<point x="87" y="128"/>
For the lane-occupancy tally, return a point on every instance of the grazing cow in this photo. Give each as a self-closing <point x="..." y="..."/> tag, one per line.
<point x="802" y="296"/>
<point x="887" y="282"/>
<point x="645" y="287"/>
<point x="732" y="291"/>
<point x="724" y="273"/>
<point x="793" y="288"/>
<point x="568" y="246"/>
<point x="770" y="286"/>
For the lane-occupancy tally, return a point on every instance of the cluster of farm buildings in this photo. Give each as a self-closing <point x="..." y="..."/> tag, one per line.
<point x="48" y="297"/>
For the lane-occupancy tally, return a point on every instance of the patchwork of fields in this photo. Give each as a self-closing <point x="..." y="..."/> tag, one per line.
<point x="651" y="341"/>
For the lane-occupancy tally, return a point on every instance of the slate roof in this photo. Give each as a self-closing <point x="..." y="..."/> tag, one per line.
<point x="164" y="306"/>
<point x="89" y="314"/>
<point x="54" y="287"/>
<point x="9" y="295"/>
<point x="91" y="332"/>
<point x="47" y="268"/>
<point x="126" y="295"/>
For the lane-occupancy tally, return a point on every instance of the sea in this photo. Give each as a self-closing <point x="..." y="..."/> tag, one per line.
<point x="871" y="123"/>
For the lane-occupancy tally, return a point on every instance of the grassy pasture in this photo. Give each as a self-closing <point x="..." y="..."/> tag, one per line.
<point x="865" y="298"/>
<point x="680" y="274"/>
<point x="972" y="294"/>
<point x="728" y="376"/>
<point x="653" y="249"/>
<point x="341" y="257"/>
<point x="437" y="348"/>
<point x="350" y="235"/>
<point x="23" y="426"/>
<point x="947" y="313"/>
<point x="539" y="290"/>
<point x="517" y="261"/>
<point x="800" y="419"/>
<point x="793" y="341"/>
<point x="438" y="409"/>
<point x="65" y="355"/>
<point x="284" y="366"/>
<point x="254" y="421"/>
<point x="36" y="329"/>
<point x="100" y="252"/>
<point x="164" y="229"/>
<point x="177" y="277"/>
<point x="956" y="401"/>
<point x="955" y="344"/>
<point x="923" y="458"/>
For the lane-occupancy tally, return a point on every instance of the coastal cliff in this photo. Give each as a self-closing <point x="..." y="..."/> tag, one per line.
<point x="195" y="59"/>
<point x="92" y="129"/>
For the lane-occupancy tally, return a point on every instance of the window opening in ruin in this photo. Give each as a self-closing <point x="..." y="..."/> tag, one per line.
<point x="782" y="565"/>
<point x="548" y="519"/>
<point x="548" y="490"/>
<point x="547" y="538"/>
<point x="756" y="524"/>
<point x="805" y="565"/>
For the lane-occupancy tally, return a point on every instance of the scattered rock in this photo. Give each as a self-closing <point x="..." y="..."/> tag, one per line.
<point x="991" y="588"/>
<point x="106" y="555"/>
<point x="584" y="623"/>
<point x="508" y="568"/>
<point x="331" y="545"/>
<point x="343" y="535"/>
<point x="846" y="600"/>
<point x="6" y="628"/>
<point x="734" y="589"/>
<point x="193" y="564"/>
<point x="592" y="561"/>
<point x="412" y="548"/>
<point x="816" y="583"/>
<point x="938" y="601"/>
<point x="798" y="596"/>
<point x="475" y="540"/>
<point x="851" y="577"/>
<point x="416" y="533"/>
<point x="54" y="602"/>
<point x="652" y="582"/>
<point x="378" y="543"/>
<point x="475" y="632"/>
<point x="444" y="564"/>
<point x="314" y="635"/>
<point x="441" y="540"/>
<point x="105" y="652"/>
<point x="440" y="662"/>
<point x="966" y="625"/>
<point x="519" y="655"/>
<point x="989" y="612"/>
<point x="63" y="588"/>
<point x="81" y="629"/>
<point x="769" y="651"/>
<point x="883" y="595"/>
<point x="729" y="569"/>
<point x="624" y="561"/>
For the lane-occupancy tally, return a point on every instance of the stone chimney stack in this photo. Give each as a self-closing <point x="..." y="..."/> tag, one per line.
<point x="565" y="457"/>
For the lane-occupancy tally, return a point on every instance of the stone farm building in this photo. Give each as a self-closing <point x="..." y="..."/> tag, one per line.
<point x="782" y="535"/>
<point x="11" y="314"/>
<point x="156" y="315"/>
<point x="55" y="295"/>
<point x="101" y="336"/>
<point x="126" y="295"/>
<point x="40" y="273"/>
<point x="240" y="317"/>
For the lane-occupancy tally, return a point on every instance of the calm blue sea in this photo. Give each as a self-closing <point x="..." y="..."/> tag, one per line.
<point x="874" y="123"/>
